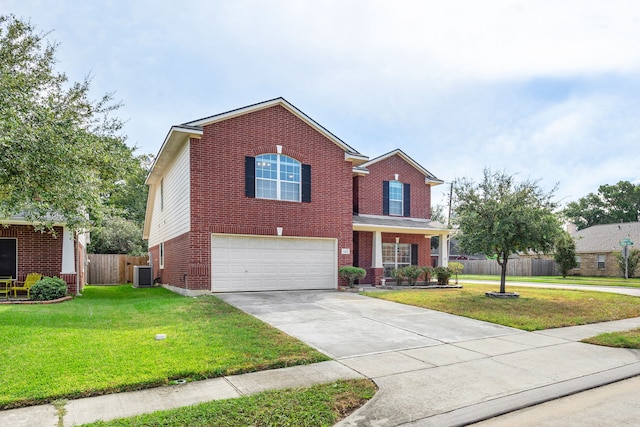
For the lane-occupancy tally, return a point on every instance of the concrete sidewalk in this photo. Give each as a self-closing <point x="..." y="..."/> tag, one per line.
<point x="132" y="403"/>
<point x="432" y="368"/>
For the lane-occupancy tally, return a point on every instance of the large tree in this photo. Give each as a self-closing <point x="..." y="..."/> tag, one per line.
<point x="500" y="216"/>
<point x="60" y="151"/>
<point x="611" y="204"/>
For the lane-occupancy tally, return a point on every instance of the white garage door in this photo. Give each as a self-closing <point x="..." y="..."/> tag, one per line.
<point x="250" y="263"/>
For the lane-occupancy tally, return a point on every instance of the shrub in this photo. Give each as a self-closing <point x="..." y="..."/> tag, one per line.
<point x="443" y="274"/>
<point x="633" y="259"/>
<point x="48" y="288"/>
<point x="411" y="272"/>
<point x="398" y="275"/>
<point x="427" y="272"/>
<point x="351" y="274"/>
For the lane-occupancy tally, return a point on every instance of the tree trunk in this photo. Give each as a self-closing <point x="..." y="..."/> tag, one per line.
<point x="503" y="273"/>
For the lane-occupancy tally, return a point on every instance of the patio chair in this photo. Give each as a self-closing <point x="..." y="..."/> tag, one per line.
<point x="29" y="281"/>
<point x="5" y="285"/>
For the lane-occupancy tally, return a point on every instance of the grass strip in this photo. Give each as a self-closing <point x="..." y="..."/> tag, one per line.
<point x="536" y="309"/>
<point x="319" y="405"/>
<point x="624" y="339"/>
<point x="569" y="280"/>
<point x="104" y="342"/>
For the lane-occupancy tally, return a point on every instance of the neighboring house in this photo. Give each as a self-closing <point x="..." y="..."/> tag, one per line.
<point x="24" y="250"/>
<point x="596" y="248"/>
<point x="265" y="198"/>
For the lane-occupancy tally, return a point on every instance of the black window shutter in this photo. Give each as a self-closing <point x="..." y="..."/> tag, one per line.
<point x="414" y="254"/>
<point x="250" y="176"/>
<point x="306" y="183"/>
<point x="385" y="197"/>
<point x="407" y="199"/>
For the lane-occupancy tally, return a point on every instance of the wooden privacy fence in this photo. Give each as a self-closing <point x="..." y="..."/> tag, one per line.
<point x="515" y="267"/>
<point x="107" y="269"/>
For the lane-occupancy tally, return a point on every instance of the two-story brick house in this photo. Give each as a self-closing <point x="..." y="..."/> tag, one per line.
<point x="265" y="198"/>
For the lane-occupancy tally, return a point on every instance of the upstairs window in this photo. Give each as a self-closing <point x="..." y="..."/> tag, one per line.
<point x="396" y="198"/>
<point x="277" y="177"/>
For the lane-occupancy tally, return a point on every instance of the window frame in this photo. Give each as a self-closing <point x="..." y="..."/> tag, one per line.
<point x="279" y="182"/>
<point x="394" y="201"/>
<point x="578" y="262"/>
<point x="161" y="255"/>
<point x="601" y="265"/>
<point x="390" y="265"/>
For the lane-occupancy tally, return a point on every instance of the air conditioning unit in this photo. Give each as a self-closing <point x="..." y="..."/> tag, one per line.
<point x="142" y="276"/>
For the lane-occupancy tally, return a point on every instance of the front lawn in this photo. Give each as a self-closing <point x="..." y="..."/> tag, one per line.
<point x="536" y="309"/>
<point x="316" y="406"/>
<point x="105" y="341"/>
<point x="569" y="280"/>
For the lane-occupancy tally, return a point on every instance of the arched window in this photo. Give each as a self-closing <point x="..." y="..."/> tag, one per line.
<point x="278" y="177"/>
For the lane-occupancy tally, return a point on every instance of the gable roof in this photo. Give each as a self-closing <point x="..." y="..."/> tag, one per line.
<point x="606" y="237"/>
<point x="181" y="133"/>
<point x="429" y="178"/>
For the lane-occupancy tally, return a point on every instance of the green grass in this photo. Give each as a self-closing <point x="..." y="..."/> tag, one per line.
<point x="536" y="309"/>
<point x="569" y="280"/>
<point x="625" y="339"/>
<point x="320" y="405"/>
<point x="104" y="342"/>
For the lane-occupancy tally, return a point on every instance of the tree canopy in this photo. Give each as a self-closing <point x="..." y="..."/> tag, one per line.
<point x="611" y="204"/>
<point x="60" y="151"/>
<point x="500" y="216"/>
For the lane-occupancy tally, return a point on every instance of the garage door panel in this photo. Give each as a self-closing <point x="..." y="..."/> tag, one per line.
<point x="252" y="263"/>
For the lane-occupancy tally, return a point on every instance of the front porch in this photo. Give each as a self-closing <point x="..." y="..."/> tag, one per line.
<point x="382" y="243"/>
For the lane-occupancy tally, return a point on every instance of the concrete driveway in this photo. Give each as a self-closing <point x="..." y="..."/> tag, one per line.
<point x="438" y="369"/>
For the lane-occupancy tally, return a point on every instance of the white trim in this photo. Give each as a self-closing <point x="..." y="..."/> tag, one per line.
<point x="376" y="256"/>
<point x="161" y="255"/>
<point x="68" y="252"/>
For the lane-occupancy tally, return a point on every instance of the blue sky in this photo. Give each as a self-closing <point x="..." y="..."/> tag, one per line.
<point x="549" y="90"/>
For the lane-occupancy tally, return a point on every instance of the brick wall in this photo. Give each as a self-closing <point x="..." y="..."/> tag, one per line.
<point x="589" y="265"/>
<point x="37" y="252"/>
<point x="218" y="201"/>
<point x="369" y="191"/>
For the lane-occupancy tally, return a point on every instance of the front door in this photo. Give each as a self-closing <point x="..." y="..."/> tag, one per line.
<point x="8" y="257"/>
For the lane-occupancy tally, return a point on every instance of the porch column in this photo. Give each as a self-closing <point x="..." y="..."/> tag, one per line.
<point x="443" y="251"/>
<point x="376" y="256"/>
<point x="68" y="252"/>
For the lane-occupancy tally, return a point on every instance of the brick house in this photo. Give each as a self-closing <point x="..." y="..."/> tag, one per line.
<point x="24" y="250"/>
<point x="265" y="198"/>
<point x="596" y="248"/>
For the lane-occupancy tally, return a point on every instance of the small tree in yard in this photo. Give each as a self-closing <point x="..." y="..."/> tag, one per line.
<point x="565" y="255"/>
<point x="351" y="274"/>
<point x="456" y="268"/>
<point x="500" y="216"/>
